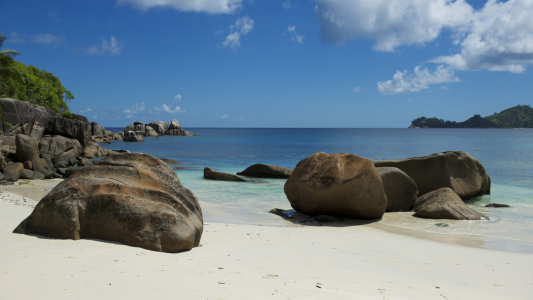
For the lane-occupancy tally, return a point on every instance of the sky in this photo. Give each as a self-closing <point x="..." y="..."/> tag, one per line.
<point x="279" y="63"/>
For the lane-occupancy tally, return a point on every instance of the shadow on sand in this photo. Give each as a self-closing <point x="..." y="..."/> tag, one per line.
<point x="321" y="220"/>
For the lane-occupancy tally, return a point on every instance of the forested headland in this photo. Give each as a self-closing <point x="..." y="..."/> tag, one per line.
<point x="520" y="116"/>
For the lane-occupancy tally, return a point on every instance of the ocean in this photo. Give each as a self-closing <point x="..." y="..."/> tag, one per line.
<point x="506" y="154"/>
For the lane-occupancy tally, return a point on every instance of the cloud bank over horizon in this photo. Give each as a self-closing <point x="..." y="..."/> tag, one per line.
<point x="497" y="37"/>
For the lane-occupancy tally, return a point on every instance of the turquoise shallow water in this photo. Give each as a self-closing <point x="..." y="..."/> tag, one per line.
<point x="506" y="154"/>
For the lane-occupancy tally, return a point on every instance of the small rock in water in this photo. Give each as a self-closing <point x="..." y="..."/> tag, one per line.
<point x="497" y="205"/>
<point x="442" y="225"/>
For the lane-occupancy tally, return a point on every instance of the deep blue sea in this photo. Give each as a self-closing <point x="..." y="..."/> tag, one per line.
<point x="506" y="154"/>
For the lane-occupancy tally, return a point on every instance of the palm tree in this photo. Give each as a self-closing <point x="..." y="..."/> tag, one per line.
<point x="6" y="59"/>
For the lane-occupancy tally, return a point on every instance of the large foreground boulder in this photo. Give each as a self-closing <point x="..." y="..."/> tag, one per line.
<point x="130" y="198"/>
<point x="444" y="203"/>
<point x="337" y="184"/>
<point x="400" y="189"/>
<point x="266" y="171"/>
<point x="457" y="170"/>
<point x="214" y="175"/>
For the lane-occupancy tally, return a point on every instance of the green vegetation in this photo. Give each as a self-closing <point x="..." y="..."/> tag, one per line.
<point x="520" y="116"/>
<point x="28" y="83"/>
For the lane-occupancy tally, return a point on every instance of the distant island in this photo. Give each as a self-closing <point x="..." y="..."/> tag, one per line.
<point x="520" y="116"/>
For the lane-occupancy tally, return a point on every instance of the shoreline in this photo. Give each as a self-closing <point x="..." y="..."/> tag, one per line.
<point x="242" y="261"/>
<point x="216" y="214"/>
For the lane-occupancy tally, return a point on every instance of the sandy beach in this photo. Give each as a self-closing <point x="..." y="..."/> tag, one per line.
<point x="239" y="261"/>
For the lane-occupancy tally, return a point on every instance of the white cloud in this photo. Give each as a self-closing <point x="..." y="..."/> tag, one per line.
<point x="357" y="89"/>
<point x="129" y="116"/>
<point x="287" y="4"/>
<point x="225" y="116"/>
<point x="88" y="109"/>
<point x="242" y="120"/>
<point x="242" y="27"/>
<point x="390" y="23"/>
<point x="111" y="47"/>
<point x="173" y="108"/>
<point x="207" y="6"/>
<point x="40" y="38"/>
<point x="402" y="82"/>
<point x="47" y="39"/>
<point x="135" y="109"/>
<point x="499" y="38"/>
<point x="295" y="36"/>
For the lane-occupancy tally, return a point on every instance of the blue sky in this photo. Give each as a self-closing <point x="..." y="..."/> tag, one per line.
<point x="279" y="63"/>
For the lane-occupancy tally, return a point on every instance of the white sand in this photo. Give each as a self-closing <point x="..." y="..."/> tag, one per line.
<point x="256" y="262"/>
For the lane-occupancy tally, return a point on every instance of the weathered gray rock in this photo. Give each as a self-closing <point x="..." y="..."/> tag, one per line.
<point x="400" y="189"/>
<point x="148" y="207"/>
<point x="95" y="129"/>
<point x="133" y="136"/>
<point x="41" y="165"/>
<point x="26" y="118"/>
<point x="27" y="149"/>
<point x="159" y="127"/>
<point x="71" y="128"/>
<point x="175" y="129"/>
<point x="94" y="150"/>
<point x="48" y="161"/>
<point x="26" y="174"/>
<point x="150" y="131"/>
<point x="139" y="126"/>
<point x="457" y="170"/>
<point x="58" y="160"/>
<point x="28" y="165"/>
<point x="13" y="171"/>
<point x="37" y="176"/>
<point x="338" y="185"/>
<point x="266" y="171"/>
<point x="80" y="118"/>
<point x="444" y="203"/>
<point x="128" y="128"/>
<point x="214" y="175"/>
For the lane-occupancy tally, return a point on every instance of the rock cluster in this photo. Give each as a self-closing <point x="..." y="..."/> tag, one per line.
<point x="139" y="130"/>
<point x="37" y="137"/>
<point x="129" y="198"/>
<point x="433" y="186"/>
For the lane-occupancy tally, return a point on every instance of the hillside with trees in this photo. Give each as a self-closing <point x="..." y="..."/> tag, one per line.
<point x="28" y="83"/>
<point x="520" y="116"/>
